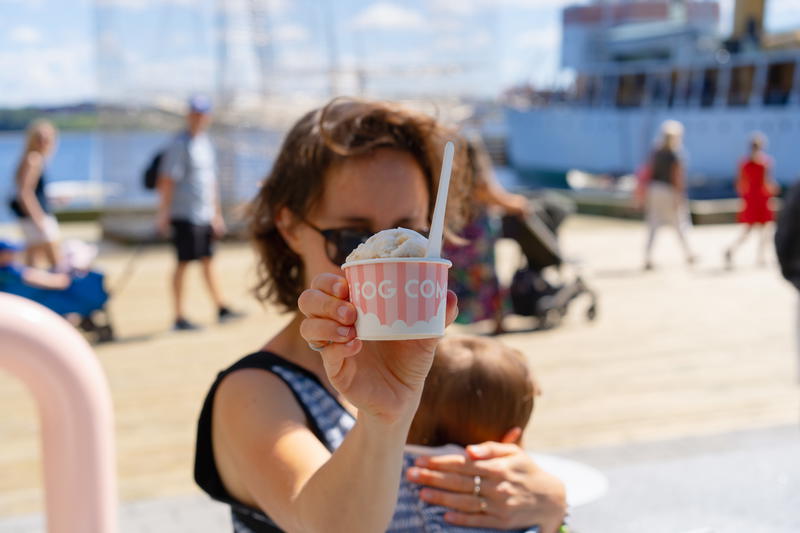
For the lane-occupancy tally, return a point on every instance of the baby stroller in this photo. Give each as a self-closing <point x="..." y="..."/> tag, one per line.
<point x="82" y="302"/>
<point x="531" y="294"/>
<point x="85" y="299"/>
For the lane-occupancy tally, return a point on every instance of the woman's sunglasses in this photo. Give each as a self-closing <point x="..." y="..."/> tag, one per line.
<point x="340" y="242"/>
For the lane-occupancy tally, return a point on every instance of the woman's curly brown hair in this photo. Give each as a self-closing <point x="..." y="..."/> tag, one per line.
<point x="343" y="128"/>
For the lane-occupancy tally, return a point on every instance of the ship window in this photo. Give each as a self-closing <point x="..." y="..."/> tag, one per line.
<point x="709" y="91"/>
<point x="593" y="91"/>
<point x="587" y="90"/>
<point x="659" y="89"/>
<point x="630" y="90"/>
<point x="741" y="86"/>
<point x="607" y="90"/>
<point x="674" y="80"/>
<point x="779" y="83"/>
<point x="685" y="91"/>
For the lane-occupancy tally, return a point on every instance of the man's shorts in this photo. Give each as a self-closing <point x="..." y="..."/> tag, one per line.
<point x="192" y="241"/>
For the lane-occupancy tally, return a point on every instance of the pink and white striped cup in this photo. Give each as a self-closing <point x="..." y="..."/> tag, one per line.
<point x="398" y="298"/>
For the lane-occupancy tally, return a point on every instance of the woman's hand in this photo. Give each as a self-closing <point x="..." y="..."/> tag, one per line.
<point x="381" y="378"/>
<point x="517" y="493"/>
<point x="516" y="204"/>
<point x="218" y="227"/>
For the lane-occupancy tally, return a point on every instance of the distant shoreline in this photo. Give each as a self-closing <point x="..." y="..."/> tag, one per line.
<point x="88" y="116"/>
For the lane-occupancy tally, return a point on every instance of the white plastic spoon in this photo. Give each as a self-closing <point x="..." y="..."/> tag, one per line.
<point x="437" y="225"/>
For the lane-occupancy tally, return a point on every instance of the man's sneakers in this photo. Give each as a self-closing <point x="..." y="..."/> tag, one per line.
<point x="223" y="315"/>
<point x="181" y="324"/>
<point x="226" y="315"/>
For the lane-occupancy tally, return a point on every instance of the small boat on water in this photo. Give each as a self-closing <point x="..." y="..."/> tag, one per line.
<point x="80" y="194"/>
<point x="640" y="62"/>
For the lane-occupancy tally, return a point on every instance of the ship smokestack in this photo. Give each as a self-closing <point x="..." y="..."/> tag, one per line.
<point x="748" y="20"/>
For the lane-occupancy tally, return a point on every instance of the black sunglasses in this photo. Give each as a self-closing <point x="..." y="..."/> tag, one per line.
<point x="340" y="242"/>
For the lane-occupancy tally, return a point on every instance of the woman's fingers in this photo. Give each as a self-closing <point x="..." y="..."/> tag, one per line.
<point x="331" y="284"/>
<point x="491" y="450"/>
<point x="319" y="304"/>
<point x="323" y="331"/>
<point x="483" y="520"/>
<point x="452" y="308"/>
<point x="467" y="503"/>
<point x="442" y="480"/>
<point x="334" y="357"/>
<point x="442" y="462"/>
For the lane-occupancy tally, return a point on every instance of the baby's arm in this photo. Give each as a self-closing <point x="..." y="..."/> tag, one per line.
<point x="45" y="280"/>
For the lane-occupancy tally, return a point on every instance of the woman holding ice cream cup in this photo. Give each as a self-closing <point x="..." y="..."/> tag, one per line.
<point x="307" y="434"/>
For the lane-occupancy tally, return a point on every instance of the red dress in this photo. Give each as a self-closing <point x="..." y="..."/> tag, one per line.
<point x="754" y="191"/>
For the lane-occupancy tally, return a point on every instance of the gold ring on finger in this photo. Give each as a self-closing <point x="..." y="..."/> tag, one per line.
<point x="482" y="504"/>
<point x="476" y="485"/>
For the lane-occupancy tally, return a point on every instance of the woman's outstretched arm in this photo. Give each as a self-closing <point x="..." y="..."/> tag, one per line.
<point x="270" y="459"/>
<point x="274" y="461"/>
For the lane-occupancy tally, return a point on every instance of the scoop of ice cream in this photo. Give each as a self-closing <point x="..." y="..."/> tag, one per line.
<point x="398" y="242"/>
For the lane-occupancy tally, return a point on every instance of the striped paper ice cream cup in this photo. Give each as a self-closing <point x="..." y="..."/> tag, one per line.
<point x="398" y="298"/>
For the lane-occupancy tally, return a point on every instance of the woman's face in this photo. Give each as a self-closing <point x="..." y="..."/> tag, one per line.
<point x="379" y="191"/>
<point x="46" y="137"/>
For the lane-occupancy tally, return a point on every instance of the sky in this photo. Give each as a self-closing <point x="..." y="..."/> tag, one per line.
<point x="59" y="51"/>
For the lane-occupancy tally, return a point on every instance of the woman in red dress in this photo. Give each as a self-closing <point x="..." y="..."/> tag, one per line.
<point x="756" y="187"/>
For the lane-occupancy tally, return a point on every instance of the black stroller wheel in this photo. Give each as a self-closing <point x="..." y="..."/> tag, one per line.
<point x="552" y="318"/>
<point x="105" y="334"/>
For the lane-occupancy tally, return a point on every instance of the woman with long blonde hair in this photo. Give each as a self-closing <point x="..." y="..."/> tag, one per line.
<point x="30" y="203"/>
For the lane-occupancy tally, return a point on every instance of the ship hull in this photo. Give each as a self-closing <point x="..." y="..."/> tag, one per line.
<point x="548" y="142"/>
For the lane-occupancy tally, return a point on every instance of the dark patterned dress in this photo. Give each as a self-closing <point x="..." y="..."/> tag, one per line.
<point x="473" y="277"/>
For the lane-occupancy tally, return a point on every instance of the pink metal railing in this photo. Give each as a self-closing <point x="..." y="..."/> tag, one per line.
<point x="74" y="402"/>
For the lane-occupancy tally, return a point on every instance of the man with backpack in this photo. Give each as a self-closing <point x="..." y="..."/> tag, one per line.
<point x="189" y="208"/>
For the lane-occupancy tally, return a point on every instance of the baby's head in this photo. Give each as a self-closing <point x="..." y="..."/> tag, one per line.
<point x="477" y="390"/>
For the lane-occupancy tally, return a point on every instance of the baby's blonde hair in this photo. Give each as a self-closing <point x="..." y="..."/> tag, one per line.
<point x="477" y="390"/>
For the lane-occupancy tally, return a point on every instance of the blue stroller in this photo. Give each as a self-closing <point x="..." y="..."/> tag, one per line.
<point x="85" y="298"/>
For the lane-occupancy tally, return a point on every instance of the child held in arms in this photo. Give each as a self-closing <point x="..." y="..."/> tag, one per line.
<point x="478" y="390"/>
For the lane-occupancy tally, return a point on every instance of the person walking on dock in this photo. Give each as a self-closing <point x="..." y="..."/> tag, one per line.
<point x="756" y="188"/>
<point x="665" y="198"/>
<point x="30" y="203"/>
<point x="190" y="208"/>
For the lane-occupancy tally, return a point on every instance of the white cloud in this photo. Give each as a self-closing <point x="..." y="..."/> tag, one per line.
<point x="192" y="73"/>
<point x="534" y="57"/>
<point x="25" y="35"/>
<point x="389" y="16"/>
<point x="470" y="7"/>
<point x="290" y="33"/>
<point x="231" y="6"/>
<point x="47" y="75"/>
<point x="301" y="60"/>
<point x="783" y="15"/>
<point x="464" y="42"/>
<point x="30" y="3"/>
<point x="530" y="4"/>
<point x="141" y="4"/>
<point x="544" y="38"/>
<point x="454" y="7"/>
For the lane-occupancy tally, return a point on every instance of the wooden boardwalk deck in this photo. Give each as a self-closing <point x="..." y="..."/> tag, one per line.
<point x="674" y="352"/>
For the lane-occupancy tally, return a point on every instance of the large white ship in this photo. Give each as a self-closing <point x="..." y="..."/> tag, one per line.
<point x="639" y="63"/>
